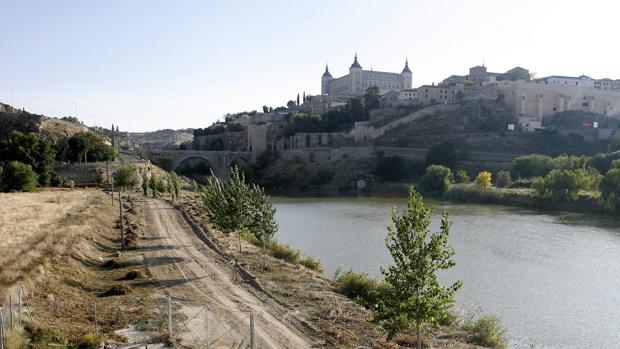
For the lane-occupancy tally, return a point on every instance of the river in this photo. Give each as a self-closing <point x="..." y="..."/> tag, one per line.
<point x="552" y="279"/>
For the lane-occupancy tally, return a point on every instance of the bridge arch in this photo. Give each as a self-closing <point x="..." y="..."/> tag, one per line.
<point x="241" y="162"/>
<point x="195" y="166"/>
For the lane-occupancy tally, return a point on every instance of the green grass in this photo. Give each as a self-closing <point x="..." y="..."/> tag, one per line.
<point x="358" y="286"/>
<point x="312" y="263"/>
<point x="284" y="252"/>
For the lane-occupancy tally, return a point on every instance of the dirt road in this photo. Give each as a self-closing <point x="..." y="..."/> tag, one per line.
<point x="191" y="271"/>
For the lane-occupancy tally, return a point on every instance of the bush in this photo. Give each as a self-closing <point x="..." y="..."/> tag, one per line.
<point x="89" y="144"/>
<point x="90" y="341"/>
<point x="558" y="186"/>
<point x="461" y="177"/>
<point x="488" y="332"/>
<point x="45" y="335"/>
<point x="284" y="252"/>
<point x="603" y="162"/>
<point x="534" y="165"/>
<point x="443" y="153"/>
<point x="610" y="190"/>
<point x="503" y="179"/>
<point x="30" y="149"/>
<point x="125" y="177"/>
<point x="16" y="176"/>
<point x="437" y="179"/>
<point x="358" y="286"/>
<point x="484" y="180"/>
<point x="312" y="263"/>
<point x="15" y="339"/>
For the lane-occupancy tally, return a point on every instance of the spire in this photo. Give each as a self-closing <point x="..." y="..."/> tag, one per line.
<point x="356" y="63"/>
<point x="406" y="69"/>
<point x="327" y="74"/>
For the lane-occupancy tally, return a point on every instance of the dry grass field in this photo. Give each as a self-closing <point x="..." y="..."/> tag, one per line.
<point x="37" y="226"/>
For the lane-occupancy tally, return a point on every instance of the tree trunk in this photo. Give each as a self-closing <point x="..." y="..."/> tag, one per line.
<point x="417" y="327"/>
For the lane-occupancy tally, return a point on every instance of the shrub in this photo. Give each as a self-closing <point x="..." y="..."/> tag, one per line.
<point x="312" y="263"/>
<point x="437" y="179"/>
<point x="503" y="179"/>
<point x="17" y="176"/>
<point x="461" y="177"/>
<point x="534" y="165"/>
<point x="15" y="339"/>
<point x="558" y="186"/>
<point x="30" y="149"/>
<point x="284" y="252"/>
<point x="603" y="162"/>
<point x="483" y="180"/>
<point x="488" y="332"/>
<point x="443" y="153"/>
<point x="125" y="177"/>
<point x="391" y="168"/>
<point x="610" y="190"/>
<point x="358" y="286"/>
<point x="45" y="335"/>
<point x="90" y="341"/>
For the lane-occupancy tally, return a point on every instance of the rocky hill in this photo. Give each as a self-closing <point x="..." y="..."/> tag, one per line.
<point x="163" y="139"/>
<point x="12" y="119"/>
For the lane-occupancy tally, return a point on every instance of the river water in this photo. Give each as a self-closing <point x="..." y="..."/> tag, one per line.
<point x="552" y="279"/>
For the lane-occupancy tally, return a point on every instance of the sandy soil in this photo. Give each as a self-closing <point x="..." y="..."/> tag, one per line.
<point x="199" y="277"/>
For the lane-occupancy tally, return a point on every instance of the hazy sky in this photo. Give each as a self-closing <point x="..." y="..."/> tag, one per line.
<point x="147" y="65"/>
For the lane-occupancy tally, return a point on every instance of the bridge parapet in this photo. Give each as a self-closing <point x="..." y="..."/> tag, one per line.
<point x="219" y="161"/>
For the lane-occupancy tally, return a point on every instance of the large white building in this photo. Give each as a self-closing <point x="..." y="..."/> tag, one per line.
<point x="359" y="80"/>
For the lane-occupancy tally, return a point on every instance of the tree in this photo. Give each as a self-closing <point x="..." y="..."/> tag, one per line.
<point x="145" y="184"/>
<point x="610" y="190"/>
<point x="503" y="179"/>
<point x="261" y="218"/>
<point x="265" y="109"/>
<point x="298" y="99"/>
<point x="290" y="104"/>
<point x="30" y="149"/>
<point x="534" y="165"/>
<point x="391" y="168"/>
<point x="437" y="179"/>
<point x="412" y="295"/>
<point x="16" y="176"/>
<point x="153" y="185"/>
<point x="125" y="177"/>
<point x="443" y="153"/>
<point x="90" y="147"/>
<point x="484" y="180"/>
<point x="558" y="186"/>
<point x="371" y="98"/>
<point x="461" y="177"/>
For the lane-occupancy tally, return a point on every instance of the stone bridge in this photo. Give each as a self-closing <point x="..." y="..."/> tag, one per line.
<point x="219" y="161"/>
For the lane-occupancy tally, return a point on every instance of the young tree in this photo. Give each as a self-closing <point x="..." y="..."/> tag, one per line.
<point x="610" y="190"/>
<point x="503" y="179"/>
<point x="437" y="179"/>
<point x="558" y="186"/>
<point x="461" y="177"/>
<point x="484" y="180"/>
<point x="125" y="177"/>
<point x="261" y="218"/>
<point x="145" y="184"/>
<point x="412" y="295"/>
<point x="153" y="185"/>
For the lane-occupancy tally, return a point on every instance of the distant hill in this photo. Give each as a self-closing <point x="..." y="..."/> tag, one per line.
<point x="12" y="119"/>
<point x="163" y="139"/>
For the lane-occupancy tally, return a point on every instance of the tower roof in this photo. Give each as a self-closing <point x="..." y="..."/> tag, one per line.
<point x="406" y="69"/>
<point x="356" y="63"/>
<point x="327" y="74"/>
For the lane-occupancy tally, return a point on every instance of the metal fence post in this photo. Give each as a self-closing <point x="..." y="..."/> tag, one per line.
<point x="19" y="306"/>
<point x="11" y="310"/>
<point x="120" y="210"/>
<point x="252" y="332"/>
<point x="1" y="329"/>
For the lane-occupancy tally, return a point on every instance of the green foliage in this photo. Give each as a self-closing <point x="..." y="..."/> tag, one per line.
<point x="437" y="179"/>
<point x="145" y="184"/>
<point x="194" y="186"/>
<point x="174" y="184"/>
<point x="503" y="179"/>
<point x="30" y="149"/>
<point x="534" y="165"/>
<point x="125" y="177"/>
<point x="610" y="190"/>
<point x="614" y="142"/>
<point x="44" y="335"/>
<point x="602" y="162"/>
<point x="322" y="176"/>
<point x="390" y="168"/>
<point x="484" y="180"/>
<point x="461" y="177"/>
<point x="488" y="332"/>
<point x="312" y="263"/>
<point x="412" y="294"/>
<point x="443" y="153"/>
<point x="359" y="286"/>
<point x="558" y="186"/>
<point x="153" y="185"/>
<point x="261" y="222"/>
<point x="371" y="98"/>
<point x="90" y="341"/>
<point x="16" y="176"/>
<point x="334" y="120"/>
<point x="284" y="252"/>
<point x="89" y="144"/>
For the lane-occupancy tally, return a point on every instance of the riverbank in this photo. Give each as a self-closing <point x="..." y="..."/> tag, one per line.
<point x="334" y="320"/>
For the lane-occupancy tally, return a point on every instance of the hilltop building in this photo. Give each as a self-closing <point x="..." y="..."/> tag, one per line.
<point x="359" y="80"/>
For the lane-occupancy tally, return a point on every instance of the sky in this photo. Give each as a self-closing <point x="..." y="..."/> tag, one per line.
<point x="148" y="65"/>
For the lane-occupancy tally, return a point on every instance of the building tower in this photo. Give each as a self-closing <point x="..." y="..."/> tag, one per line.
<point x="355" y="75"/>
<point x="325" y="79"/>
<point x="406" y="76"/>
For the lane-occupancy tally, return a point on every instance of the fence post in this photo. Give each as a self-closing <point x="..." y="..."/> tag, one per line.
<point x="1" y="329"/>
<point x="252" y="332"/>
<point x="207" y="326"/>
<point x="120" y="209"/>
<point x="169" y="316"/>
<point x="19" y="306"/>
<point x="11" y="310"/>
<point x="27" y="305"/>
<point x="95" y="317"/>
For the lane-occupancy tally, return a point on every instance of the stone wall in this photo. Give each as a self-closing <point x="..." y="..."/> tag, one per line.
<point x="231" y="141"/>
<point x="92" y="173"/>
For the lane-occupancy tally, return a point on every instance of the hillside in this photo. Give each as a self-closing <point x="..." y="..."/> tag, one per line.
<point x="163" y="139"/>
<point x="50" y="128"/>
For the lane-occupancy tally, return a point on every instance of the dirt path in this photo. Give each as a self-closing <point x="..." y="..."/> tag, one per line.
<point x="191" y="271"/>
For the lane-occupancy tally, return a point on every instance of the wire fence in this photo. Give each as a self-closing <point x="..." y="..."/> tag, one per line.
<point x="14" y="312"/>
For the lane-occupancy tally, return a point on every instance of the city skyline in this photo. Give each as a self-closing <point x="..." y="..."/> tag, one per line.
<point x="148" y="65"/>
